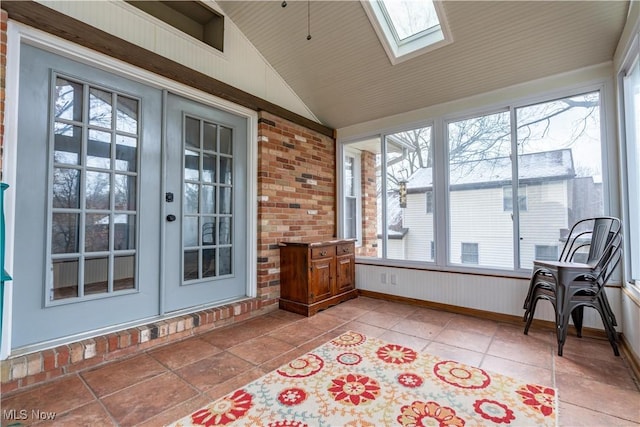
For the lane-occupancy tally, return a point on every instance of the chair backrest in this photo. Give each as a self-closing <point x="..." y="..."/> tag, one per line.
<point x="595" y="235"/>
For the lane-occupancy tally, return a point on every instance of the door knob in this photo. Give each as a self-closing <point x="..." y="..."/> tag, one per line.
<point x="171" y="217"/>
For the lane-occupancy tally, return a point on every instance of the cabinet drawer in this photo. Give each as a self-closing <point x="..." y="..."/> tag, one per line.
<point x="323" y="252"/>
<point x="344" y="249"/>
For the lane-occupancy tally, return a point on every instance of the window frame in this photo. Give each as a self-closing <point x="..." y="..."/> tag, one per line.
<point x="357" y="190"/>
<point x="473" y="251"/>
<point x="440" y="179"/>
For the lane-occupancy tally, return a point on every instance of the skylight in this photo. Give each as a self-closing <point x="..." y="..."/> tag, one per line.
<point x="407" y="28"/>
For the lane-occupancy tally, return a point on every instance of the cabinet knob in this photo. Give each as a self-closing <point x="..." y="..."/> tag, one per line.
<point x="323" y="253"/>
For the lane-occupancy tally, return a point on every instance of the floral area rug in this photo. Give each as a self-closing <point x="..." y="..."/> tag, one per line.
<point x="358" y="381"/>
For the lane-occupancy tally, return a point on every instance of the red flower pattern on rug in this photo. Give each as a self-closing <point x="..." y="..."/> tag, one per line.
<point x="541" y="398"/>
<point x="488" y="408"/>
<point x="224" y="411"/>
<point x="392" y="353"/>
<point x="420" y="414"/>
<point x="460" y="375"/>
<point x="359" y="381"/>
<point x="354" y="389"/>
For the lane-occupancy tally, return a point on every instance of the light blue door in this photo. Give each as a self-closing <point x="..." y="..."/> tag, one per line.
<point x="205" y="204"/>
<point x="87" y="223"/>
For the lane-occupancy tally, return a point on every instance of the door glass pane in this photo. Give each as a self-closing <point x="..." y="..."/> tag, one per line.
<point x="560" y="165"/>
<point x="208" y="194"/>
<point x="208" y="167"/>
<point x="210" y="137"/>
<point x="64" y="233"/>
<point x="68" y="100"/>
<point x="226" y="144"/>
<point x="96" y="232"/>
<point x="100" y="102"/>
<point x="409" y="178"/>
<point x="209" y="262"/>
<point x="225" y="170"/>
<point x="65" y="278"/>
<point x="96" y="275"/>
<point x="225" y="261"/>
<point x="192" y="133"/>
<point x="224" y="230"/>
<point x="124" y="228"/>
<point x="225" y="200"/>
<point x="191" y="198"/>
<point x="97" y="190"/>
<point x="104" y="202"/>
<point x="479" y="166"/>
<point x="99" y="149"/>
<point x="190" y="231"/>
<point x="190" y="263"/>
<point x="67" y="144"/>
<point x="126" y="156"/>
<point x="127" y="115"/>
<point x="66" y="188"/>
<point x="125" y="192"/>
<point x="124" y="274"/>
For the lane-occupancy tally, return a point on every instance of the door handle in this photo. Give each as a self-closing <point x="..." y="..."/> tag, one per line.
<point x="171" y="217"/>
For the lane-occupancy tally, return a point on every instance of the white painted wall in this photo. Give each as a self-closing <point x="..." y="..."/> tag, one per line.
<point x="241" y="65"/>
<point x="494" y="294"/>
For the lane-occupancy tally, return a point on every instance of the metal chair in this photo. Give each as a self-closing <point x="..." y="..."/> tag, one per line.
<point x="571" y="285"/>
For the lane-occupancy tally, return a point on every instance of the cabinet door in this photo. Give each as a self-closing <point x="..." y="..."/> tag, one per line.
<point x="321" y="279"/>
<point x="345" y="273"/>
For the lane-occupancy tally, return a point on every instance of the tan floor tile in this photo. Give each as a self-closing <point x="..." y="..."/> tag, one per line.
<point x="604" y="398"/>
<point x="418" y="328"/>
<point x="230" y="336"/>
<point x="379" y="319"/>
<point x="398" y="309"/>
<point x="449" y="352"/>
<point x="323" y="321"/>
<point x="213" y="370"/>
<point x="363" y="328"/>
<point x="177" y="412"/>
<point x="431" y="316"/>
<point x="222" y="389"/>
<point x="261" y="349"/>
<point x="530" y="353"/>
<point x="365" y="303"/>
<point x="58" y="397"/>
<point x="473" y="325"/>
<point x="184" y="353"/>
<point x="90" y="415"/>
<point x="518" y="370"/>
<point x="296" y="335"/>
<point x="347" y="312"/>
<point x="469" y="340"/>
<point x="613" y="371"/>
<point x="118" y="375"/>
<point x="147" y="399"/>
<point x="578" y="416"/>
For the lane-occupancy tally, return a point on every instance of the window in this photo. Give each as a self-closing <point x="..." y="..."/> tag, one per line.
<point x="469" y="253"/>
<point x="558" y="170"/>
<point x="94" y="187"/>
<point x="351" y="193"/>
<point x="507" y="198"/>
<point x="631" y="87"/>
<point x="407" y="28"/>
<point x="546" y="253"/>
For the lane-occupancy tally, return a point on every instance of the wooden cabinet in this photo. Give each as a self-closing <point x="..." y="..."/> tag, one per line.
<point x="316" y="275"/>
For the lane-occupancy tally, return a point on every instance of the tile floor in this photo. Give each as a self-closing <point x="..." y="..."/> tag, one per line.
<point x="161" y="385"/>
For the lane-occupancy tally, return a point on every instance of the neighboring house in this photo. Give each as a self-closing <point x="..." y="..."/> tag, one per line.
<point x="481" y="208"/>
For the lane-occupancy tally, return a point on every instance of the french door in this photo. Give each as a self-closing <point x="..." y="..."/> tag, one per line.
<point x="205" y="204"/>
<point x="130" y="202"/>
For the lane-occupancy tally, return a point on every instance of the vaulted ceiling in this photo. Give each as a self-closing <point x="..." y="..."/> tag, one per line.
<point x="345" y="77"/>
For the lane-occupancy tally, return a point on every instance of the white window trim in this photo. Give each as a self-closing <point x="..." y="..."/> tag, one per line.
<point x="357" y="186"/>
<point x="414" y="46"/>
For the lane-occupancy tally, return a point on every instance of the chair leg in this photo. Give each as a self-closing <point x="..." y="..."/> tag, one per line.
<point x="577" y="316"/>
<point x="530" y="311"/>
<point x="562" y="324"/>
<point x="608" y="327"/>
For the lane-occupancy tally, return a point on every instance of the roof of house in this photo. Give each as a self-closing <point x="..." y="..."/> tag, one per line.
<point x="546" y="165"/>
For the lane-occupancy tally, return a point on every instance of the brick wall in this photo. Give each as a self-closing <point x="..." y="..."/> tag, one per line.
<point x="296" y="192"/>
<point x="369" y="205"/>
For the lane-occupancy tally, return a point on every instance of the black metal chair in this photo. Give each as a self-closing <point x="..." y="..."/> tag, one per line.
<point x="571" y="285"/>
